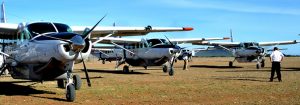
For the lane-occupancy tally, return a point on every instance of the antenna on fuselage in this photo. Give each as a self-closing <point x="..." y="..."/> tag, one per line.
<point x="231" y="38"/>
<point x="3" y="17"/>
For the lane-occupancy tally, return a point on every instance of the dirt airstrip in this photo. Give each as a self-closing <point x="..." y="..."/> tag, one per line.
<point x="208" y="81"/>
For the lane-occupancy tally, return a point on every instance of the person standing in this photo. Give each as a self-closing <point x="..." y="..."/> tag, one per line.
<point x="276" y="57"/>
<point x="185" y="59"/>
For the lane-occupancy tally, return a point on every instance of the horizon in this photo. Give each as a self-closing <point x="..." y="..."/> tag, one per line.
<point x="250" y="20"/>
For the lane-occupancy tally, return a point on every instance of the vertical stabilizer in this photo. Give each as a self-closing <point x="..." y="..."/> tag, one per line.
<point x="231" y="35"/>
<point x="3" y="18"/>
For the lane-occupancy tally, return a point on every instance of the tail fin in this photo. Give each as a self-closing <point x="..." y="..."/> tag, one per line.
<point x="231" y="35"/>
<point x="3" y="17"/>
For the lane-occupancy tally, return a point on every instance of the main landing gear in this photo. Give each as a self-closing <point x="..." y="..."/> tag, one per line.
<point x="231" y="63"/>
<point x="260" y="64"/>
<point x="170" y="68"/>
<point x="165" y="70"/>
<point x="71" y="84"/>
<point x="126" y="69"/>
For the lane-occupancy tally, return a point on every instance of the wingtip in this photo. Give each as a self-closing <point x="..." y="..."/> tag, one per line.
<point x="188" y="28"/>
<point x="226" y="38"/>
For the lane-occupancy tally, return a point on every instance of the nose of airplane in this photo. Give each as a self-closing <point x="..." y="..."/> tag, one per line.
<point x="260" y="50"/>
<point x="77" y="43"/>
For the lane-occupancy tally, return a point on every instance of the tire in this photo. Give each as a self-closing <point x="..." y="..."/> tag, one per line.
<point x="230" y="64"/>
<point x="61" y="83"/>
<point x="263" y="63"/>
<point x="165" y="68"/>
<point x="77" y="82"/>
<point x="70" y="95"/>
<point x="171" y="72"/>
<point x="126" y="69"/>
<point x="258" y="66"/>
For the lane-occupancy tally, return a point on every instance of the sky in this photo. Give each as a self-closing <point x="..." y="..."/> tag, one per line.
<point x="250" y="20"/>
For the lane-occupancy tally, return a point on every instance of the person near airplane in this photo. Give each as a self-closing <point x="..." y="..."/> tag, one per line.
<point x="276" y="57"/>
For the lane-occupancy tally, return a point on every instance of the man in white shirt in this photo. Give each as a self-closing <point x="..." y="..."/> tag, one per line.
<point x="276" y="57"/>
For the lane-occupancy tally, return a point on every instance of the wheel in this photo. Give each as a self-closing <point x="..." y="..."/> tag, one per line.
<point x="126" y="69"/>
<point x="263" y="63"/>
<point x="70" y="95"/>
<point x="60" y="83"/>
<point x="258" y="66"/>
<point x="77" y="82"/>
<point x="230" y="64"/>
<point x="171" y="72"/>
<point x="165" y="68"/>
<point x="103" y="61"/>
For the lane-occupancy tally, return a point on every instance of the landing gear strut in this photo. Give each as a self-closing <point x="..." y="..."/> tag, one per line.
<point x="70" y="88"/>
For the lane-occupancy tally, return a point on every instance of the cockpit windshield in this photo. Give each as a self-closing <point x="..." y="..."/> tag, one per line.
<point x="46" y="27"/>
<point x="250" y="44"/>
<point x="153" y="42"/>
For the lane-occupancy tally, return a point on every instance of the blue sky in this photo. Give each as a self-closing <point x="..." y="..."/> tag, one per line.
<point x="250" y="20"/>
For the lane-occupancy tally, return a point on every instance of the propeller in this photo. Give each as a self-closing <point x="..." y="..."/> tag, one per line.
<point x="86" y="72"/>
<point x="169" y="40"/>
<point x="77" y="44"/>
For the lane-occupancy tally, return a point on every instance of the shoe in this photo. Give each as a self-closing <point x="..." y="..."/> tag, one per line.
<point x="280" y="80"/>
<point x="271" y="81"/>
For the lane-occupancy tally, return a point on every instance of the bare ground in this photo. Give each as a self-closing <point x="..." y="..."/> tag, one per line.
<point x="208" y="81"/>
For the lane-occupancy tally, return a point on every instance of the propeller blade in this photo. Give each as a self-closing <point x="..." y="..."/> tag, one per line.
<point x="169" y="40"/>
<point x="87" y="33"/>
<point x="86" y="72"/>
<point x="2" y="70"/>
<point x="173" y="60"/>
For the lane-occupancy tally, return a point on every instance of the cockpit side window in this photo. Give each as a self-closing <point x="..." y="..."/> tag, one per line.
<point x="62" y="27"/>
<point x="40" y="28"/>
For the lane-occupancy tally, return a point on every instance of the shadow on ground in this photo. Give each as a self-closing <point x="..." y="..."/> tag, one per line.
<point x="263" y="70"/>
<point x="214" y="66"/>
<point x="258" y="79"/>
<point x="11" y="88"/>
<point x="115" y="71"/>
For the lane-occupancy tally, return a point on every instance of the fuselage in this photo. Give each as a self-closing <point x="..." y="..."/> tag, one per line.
<point x="151" y="52"/>
<point x="36" y="56"/>
<point x="248" y="52"/>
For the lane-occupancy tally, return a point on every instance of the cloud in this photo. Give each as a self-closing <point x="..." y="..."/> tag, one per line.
<point x="234" y="6"/>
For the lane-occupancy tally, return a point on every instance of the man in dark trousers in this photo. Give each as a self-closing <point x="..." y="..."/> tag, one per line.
<point x="276" y="57"/>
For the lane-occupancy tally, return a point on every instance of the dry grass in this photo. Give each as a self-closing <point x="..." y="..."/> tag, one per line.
<point x="208" y="81"/>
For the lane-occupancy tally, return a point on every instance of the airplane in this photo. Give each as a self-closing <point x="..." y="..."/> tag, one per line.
<point x="47" y="51"/>
<point x="245" y="52"/>
<point x="147" y="52"/>
<point x="107" y="53"/>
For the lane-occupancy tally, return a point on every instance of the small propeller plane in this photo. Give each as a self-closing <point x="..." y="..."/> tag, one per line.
<point x="47" y="51"/>
<point x="247" y="51"/>
<point x="147" y="52"/>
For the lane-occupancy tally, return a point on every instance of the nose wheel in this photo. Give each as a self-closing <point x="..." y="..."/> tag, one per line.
<point x="70" y="95"/>
<point x="171" y="72"/>
<point x="165" y="68"/>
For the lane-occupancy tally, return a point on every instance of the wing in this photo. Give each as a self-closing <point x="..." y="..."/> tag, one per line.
<point x="120" y="41"/>
<point x="8" y="30"/>
<point x="127" y="31"/>
<point x="225" y="44"/>
<point x="195" y="40"/>
<point x="277" y="43"/>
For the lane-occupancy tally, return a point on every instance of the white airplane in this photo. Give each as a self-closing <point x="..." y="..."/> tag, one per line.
<point x="46" y="51"/>
<point x="247" y="51"/>
<point x="148" y="52"/>
<point x="107" y="54"/>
